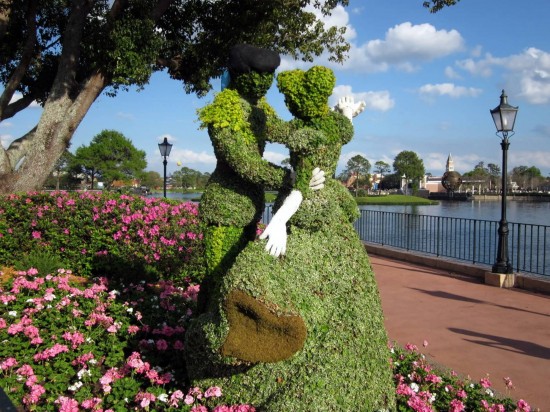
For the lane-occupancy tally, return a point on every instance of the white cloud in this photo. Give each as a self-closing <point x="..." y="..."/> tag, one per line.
<point x="527" y="74"/>
<point x="186" y="156"/>
<point x="374" y="100"/>
<point x="6" y="125"/>
<point x="275" y="157"/>
<point x="126" y="116"/>
<point x="448" y="89"/>
<point x="338" y="18"/>
<point x="451" y="73"/>
<point x="16" y="96"/>
<point x="404" y="46"/>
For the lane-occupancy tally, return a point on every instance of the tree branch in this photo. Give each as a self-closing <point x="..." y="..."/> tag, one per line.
<point x="26" y="58"/>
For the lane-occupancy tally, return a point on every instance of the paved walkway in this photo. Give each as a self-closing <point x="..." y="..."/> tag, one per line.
<point x="470" y="327"/>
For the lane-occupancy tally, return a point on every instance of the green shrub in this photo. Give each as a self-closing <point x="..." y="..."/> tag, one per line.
<point x="102" y="234"/>
<point x="44" y="261"/>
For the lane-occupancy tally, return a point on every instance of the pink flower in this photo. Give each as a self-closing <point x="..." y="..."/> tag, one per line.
<point x="145" y="398"/>
<point x="162" y="344"/>
<point x="67" y="404"/>
<point x="456" y="406"/>
<point x="213" y="391"/>
<point x="36" y="234"/>
<point x="485" y="382"/>
<point x="425" y="343"/>
<point x="175" y="398"/>
<point x="523" y="406"/>
<point x="34" y="396"/>
<point x="199" y="408"/>
<point x="8" y="363"/>
<point x="51" y="352"/>
<point x="508" y="383"/>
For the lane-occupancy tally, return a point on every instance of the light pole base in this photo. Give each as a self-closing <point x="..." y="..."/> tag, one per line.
<point x="500" y="280"/>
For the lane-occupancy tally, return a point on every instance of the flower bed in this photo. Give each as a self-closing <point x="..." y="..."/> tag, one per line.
<point x="101" y="233"/>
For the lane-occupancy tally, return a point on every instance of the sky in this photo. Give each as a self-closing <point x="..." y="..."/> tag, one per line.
<point x="428" y="81"/>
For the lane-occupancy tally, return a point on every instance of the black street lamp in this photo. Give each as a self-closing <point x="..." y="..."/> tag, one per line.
<point x="165" y="148"/>
<point x="504" y="117"/>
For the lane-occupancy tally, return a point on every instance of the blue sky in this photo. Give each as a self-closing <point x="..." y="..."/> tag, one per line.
<point x="428" y="80"/>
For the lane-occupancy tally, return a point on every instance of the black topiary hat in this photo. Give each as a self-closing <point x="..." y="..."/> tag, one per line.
<point x="244" y="58"/>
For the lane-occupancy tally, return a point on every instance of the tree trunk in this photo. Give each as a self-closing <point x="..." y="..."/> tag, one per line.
<point x="33" y="157"/>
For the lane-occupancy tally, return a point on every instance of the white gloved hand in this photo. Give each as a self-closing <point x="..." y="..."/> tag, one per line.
<point x="349" y="108"/>
<point x="276" y="230"/>
<point x="317" y="181"/>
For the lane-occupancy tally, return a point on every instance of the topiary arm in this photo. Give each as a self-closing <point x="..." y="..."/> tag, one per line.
<point x="242" y="155"/>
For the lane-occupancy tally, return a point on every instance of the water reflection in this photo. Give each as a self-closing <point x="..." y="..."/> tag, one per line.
<point x="535" y="213"/>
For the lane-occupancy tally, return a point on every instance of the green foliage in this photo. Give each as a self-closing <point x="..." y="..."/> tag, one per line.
<point x="394" y="200"/>
<point x="252" y="85"/>
<point x="437" y="5"/>
<point x="409" y="164"/>
<point x="102" y="234"/>
<point x="111" y="156"/>
<point x="136" y="46"/>
<point x="45" y="261"/>
<point x="306" y="91"/>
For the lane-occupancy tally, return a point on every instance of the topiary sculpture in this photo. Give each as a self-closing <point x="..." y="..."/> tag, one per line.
<point x="303" y="332"/>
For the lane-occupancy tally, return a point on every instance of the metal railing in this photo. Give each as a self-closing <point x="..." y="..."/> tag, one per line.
<point x="470" y="240"/>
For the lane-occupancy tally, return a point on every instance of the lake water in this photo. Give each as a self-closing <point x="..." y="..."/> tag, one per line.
<point x="535" y="213"/>
<point x="517" y="211"/>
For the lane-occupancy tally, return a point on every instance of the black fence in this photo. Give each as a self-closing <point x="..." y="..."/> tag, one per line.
<point x="471" y="240"/>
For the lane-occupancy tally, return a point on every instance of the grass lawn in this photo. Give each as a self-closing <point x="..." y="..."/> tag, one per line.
<point x="394" y="200"/>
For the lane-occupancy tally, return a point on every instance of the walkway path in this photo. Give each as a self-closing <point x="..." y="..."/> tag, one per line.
<point x="470" y="327"/>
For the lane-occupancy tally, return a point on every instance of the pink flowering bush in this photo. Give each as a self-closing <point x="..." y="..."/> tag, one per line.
<point x="102" y="233"/>
<point x="92" y="348"/>
<point x="421" y="388"/>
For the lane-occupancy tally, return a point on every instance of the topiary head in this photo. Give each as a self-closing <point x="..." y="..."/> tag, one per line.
<point x="307" y="92"/>
<point x="252" y="69"/>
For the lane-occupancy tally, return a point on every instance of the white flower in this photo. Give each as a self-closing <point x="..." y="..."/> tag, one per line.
<point x="12" y="313"/>
<point x="163" y="397"/>
<point x="130" y="310"/>
<point x="489" y="392"/>
<point x="83" y="372"/>
<point x="75" y="387"/>
<point x="114" y="292"/>
<point x="31" y="300"/>
<point x="415" y="387"/>
<point x="92" y="361"/>
<point x="432" y="399"/>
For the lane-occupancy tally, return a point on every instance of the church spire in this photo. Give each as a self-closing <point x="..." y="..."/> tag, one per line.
<point x="450" y="164"/>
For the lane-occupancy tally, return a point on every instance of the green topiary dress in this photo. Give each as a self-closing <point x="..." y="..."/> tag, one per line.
<point x="303" y="332"/>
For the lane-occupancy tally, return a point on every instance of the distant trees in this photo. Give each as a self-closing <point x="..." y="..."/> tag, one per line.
<point x="359" y="167"/>
<point x="381" y="167"/>
<point x="490" y="177"/>
<point x="110" y="156"/>
<point x="409" y="164"/>
<point x="527" y="178"/>
<point x="187" y="178"/>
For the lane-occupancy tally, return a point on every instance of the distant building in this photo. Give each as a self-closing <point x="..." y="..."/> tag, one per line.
<point x="432" y="184"/>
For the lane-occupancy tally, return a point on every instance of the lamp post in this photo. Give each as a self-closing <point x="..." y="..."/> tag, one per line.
<point x="165" y="148"/>
<point x="504" y="117"/>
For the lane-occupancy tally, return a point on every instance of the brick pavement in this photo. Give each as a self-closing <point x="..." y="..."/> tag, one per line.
<point x="471" y="328"/>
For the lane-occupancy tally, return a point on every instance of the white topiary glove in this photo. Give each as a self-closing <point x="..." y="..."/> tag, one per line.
<point x="317" y="181"/>
<point x="349" y="108"/>
<point x="276" y="230"/>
